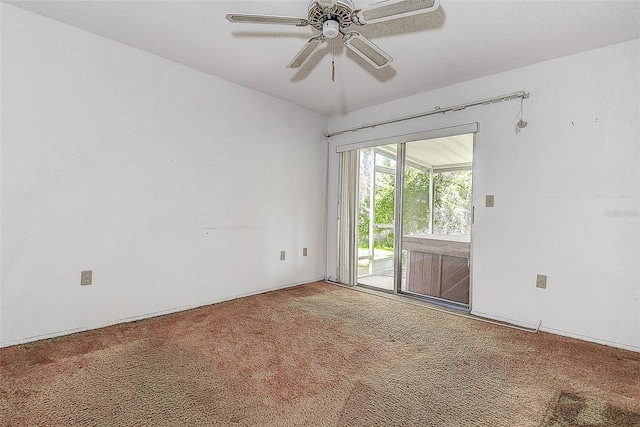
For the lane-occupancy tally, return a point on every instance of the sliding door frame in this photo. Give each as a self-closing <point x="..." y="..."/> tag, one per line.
<point x="398" y="214"/>
<point x="350" y="272"/>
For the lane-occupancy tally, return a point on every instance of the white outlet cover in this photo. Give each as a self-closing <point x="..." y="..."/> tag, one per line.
<point x="86" y="277"/>
<point x="489" y="200"/>
<point x="541" y="281"/>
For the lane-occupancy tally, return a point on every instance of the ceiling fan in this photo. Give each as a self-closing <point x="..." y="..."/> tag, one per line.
<point x="334" y="17"/>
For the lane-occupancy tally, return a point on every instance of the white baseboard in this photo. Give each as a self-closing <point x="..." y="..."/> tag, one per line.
<point x="149" y="315"/>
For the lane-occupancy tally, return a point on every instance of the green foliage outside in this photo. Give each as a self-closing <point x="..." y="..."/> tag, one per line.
<point x="416" y="201"/>
<point x="453" y="203"/>
<point x="383" y="208"/>
<point x="452" y="206"/>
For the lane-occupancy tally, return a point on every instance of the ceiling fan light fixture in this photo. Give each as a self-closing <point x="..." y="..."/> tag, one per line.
<point x="330" y="29"/>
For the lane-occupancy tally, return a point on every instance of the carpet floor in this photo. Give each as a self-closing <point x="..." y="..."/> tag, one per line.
<point x="317" y="355"/>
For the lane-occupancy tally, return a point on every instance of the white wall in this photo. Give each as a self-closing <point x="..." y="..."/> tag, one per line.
<point x="176" y="188"/>
<point x="566" y="190"/>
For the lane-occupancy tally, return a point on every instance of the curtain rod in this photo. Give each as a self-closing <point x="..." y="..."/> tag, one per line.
<point x="437" y="110"/>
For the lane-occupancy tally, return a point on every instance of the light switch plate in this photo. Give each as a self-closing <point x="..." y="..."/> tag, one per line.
<point x="304" y="251"/>
<point x="541" y="281"/>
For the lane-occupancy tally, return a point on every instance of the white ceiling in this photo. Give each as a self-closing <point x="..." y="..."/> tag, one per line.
<point x="460" y="41"/>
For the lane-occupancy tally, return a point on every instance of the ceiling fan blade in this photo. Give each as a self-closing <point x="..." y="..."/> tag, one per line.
<point x="366" y="50"/>
<point x="242" y="18"/>
<point x="311" y="46"/>
<point x="394" y="9"/>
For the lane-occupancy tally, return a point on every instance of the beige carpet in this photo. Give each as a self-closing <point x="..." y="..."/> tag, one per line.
<point x="317" y="355"/>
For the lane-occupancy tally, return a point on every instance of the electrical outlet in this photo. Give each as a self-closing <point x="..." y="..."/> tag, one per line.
<point x="541" y="281"/>
<point x="86" y="277"/>
<point x="304" y="251"/>
<point x="489" y="200"/>
<point x="281" y="255"/>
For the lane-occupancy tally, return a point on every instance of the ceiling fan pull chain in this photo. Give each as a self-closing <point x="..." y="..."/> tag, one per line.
<point x="333" y="61"/>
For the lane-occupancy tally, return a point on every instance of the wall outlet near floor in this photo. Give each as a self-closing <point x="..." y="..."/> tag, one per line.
<point x="304" y="251"/>
<point x="541" y="281"/>
<point x="281" y="255"/>
<point x="86" y="277"/>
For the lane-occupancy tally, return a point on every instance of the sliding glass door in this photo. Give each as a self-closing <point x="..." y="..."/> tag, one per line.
<point x="410" y="217"/>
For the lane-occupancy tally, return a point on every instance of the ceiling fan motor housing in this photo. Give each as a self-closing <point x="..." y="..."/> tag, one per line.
<point x="340" y="13"/>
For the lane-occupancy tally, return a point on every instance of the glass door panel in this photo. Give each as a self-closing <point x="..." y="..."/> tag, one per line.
<point x="436" y="218"/>
<point x="376" y="230"/>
